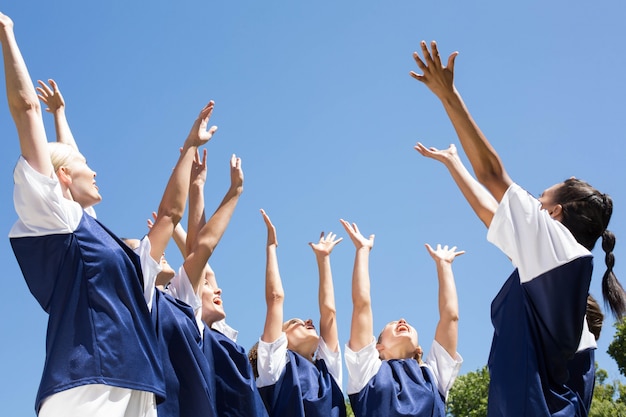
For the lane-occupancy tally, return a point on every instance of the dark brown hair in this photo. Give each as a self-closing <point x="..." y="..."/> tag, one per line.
<point x="586" y="213"/>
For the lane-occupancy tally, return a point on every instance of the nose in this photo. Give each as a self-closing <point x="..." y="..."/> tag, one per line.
<point x="402" y="320"/>
<point x="218" y="291"/>
<point x="308" y="322"/>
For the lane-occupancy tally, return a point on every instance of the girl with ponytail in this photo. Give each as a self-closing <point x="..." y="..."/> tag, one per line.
<point x="545" y="322"/>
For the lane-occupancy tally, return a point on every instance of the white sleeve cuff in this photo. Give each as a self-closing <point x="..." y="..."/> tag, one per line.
<point x="149" y="268"/>
<point x="40" y="205"/>
<point x="180" y="287"/>
<point x="332" y="359"/>
<point x="445" y="368"/>
<point x="362" y="366"/>
<point x="271" y="361"/>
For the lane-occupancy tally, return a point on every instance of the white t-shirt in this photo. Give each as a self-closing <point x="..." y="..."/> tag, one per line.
<point x="534" y="241"/>
<point x="272" y="359"/>
<point x="364" y="365"/>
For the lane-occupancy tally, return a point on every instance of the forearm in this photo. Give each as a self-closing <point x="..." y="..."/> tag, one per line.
<point x="274" y="297"/>
<point x="172" y="204"/>
<point x="481" y="201"/>
<point x="448" y="300"/>
<point x="214" y="229"/>
<point x="175" y="195"/>
<point x="484" y="160"/>
<point x="326" y="298"/>
<point x="447" y="332"/>
<point x="24" y="105"/>
<point x="196" y="216"/>
<point x="180" y="238"/>
<point x="362" y="327"/>
<point x="62" y="128"/>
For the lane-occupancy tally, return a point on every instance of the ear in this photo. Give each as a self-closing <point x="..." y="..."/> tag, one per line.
<point x="418" y="354"/>
<point x="557" y="212"/>
<point x="381" y="350"/>
<point x="63" y="174"/>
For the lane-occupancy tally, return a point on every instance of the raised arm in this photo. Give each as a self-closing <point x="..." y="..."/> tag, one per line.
<point x="196" y="218"/>
<point x="362" y="327"/>
<point x="23" y="102"/>
<point x="212" y="232"/>
<point x="440" y="80"/>
<point x="172" y="204"/>
<point x="481" y="201"/>
<point x="274" y="293"/>
<point x="51" y="96"/>
<point x="179" y="235"/>
<point x="447" y="332"/>
<point x="326" y="293"/>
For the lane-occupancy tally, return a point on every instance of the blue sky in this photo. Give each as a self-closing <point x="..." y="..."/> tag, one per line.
<point x="316" y="99"/>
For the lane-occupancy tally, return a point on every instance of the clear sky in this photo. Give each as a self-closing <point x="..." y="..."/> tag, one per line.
<point x="316" y="99"/>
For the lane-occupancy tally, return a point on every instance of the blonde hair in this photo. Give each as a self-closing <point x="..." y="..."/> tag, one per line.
<point x="62" y="154"/>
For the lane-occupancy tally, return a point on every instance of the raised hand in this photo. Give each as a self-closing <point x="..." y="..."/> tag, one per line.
<point x="5" y="21"/>
<point x="199" y="135"/>
<point x="50" y="96"/>
<point x="443" y="155"/>
<point x="326" y="244"/>
<point x="236" y="173"/>
<point x="271" y="230"/>
<point x="438" y="78"/>
<point x="444" y="253"/>
<point x="355" y="235"/>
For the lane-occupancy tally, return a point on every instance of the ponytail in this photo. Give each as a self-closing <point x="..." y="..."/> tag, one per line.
<point x="586" y="214"/>
<point x="612" y="290"/>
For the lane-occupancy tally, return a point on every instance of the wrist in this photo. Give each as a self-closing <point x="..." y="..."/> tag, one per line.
<point x="190" y="143"/>
<point x="6" y="30"/>
<point x="322" y="257"/>
<point x="236" y="189"/>
<point x="443" y="264"/>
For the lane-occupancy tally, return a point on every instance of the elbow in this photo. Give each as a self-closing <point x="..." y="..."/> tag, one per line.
<point x="174" y="214"/>
<point x="361" y="303"/>
<point x="275" y="297"/>
<point x="450" y="317"/>
<point x="24" y="104"/>
<point x="489" y="176"/>
<point x="495" y="180"/>
<point x="328" y="310"/>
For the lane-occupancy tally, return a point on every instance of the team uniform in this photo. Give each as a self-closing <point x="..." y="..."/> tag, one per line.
<point x="232" y="386"/>
<point x="236" y="390"/>
<point x="291" y="385"/>
<point x="189" y="377"/>
<point x="101" y="346"/>
<point x="582" y="376"/>
<point x="539" y="314"/>
<point x="400" y="387"/>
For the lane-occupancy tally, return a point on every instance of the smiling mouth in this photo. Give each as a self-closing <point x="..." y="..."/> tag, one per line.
<point x="402" y="328"/>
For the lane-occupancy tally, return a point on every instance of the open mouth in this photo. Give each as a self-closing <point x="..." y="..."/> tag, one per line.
<point x="217" y="301"/>
<point x="402" y="328"/>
